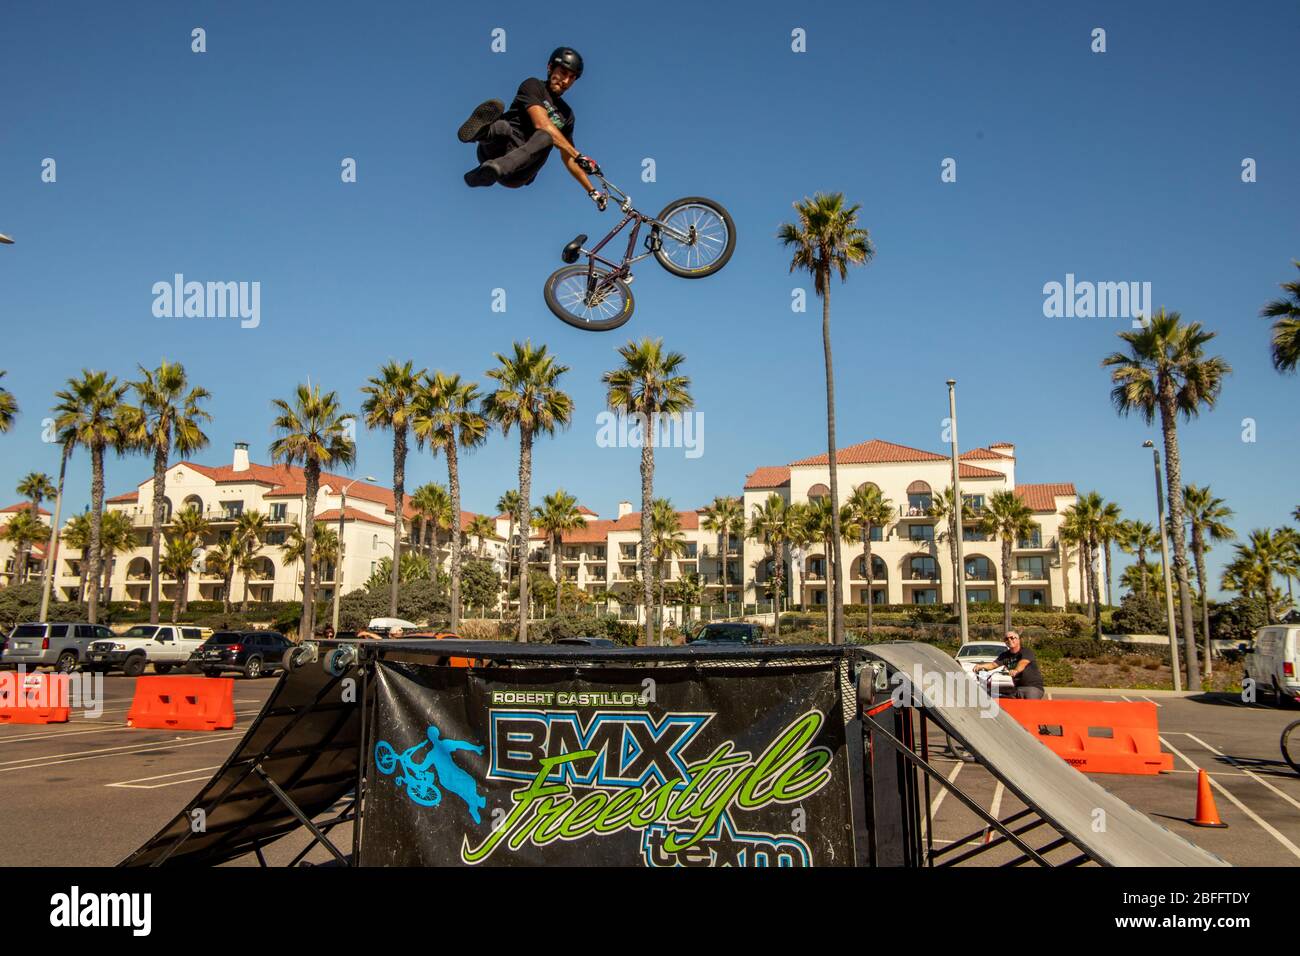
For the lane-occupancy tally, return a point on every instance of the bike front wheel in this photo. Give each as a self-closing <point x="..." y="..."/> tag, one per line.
<point x="594" y="301"/>
<point x="696" y="237"/>
<point x="1291" y="745"/>
<point x="385" y="757"/>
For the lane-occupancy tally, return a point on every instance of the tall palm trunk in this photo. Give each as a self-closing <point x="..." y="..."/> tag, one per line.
<point x="1174" y="477"/>
<point x="830" y="621"/>
<point x="1006" y="585"/>
<point x="1142" y="563"/>
<point x="243" y="605"/>
<point x="155" y="535"/>
<point x="1110" y="599"/>
<point x="227" y="582"/>
<point x="510" y="555"/>
<point x="307" y="625"/>
<point x="96" y="520"/>
<point x="453" y="484"/>
<point x="1198" y="553"/>
<point x="1083" y="576"/>
<point x="866" y="558"/>
<point x="647" y="495"/>
<point x="1065" y="571"/>
<point x="833" y="568"/>
<point x="778" y="579"/>
<point x="399" y="501"/>
<point x="525" y="489"/>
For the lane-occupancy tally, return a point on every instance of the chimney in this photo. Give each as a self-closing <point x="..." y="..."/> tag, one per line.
<point x="1004" y="448"/>
<point x="240" y="462"/>
<point x="624" y="508"/>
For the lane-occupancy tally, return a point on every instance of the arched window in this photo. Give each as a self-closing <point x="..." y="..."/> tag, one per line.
<point x="979" y="568"/>
<point x="919" y="498"/>
<point x="818" y="491"/>
<point x="879" y="570"/>
<point x="922" y="567"/>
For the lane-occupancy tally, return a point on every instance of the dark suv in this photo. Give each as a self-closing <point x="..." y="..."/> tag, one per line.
<point x="728" y="632"/>
<point x="253" y="652"/>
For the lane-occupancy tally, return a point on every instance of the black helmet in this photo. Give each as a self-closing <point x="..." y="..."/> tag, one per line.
<point x="567" y="57"/>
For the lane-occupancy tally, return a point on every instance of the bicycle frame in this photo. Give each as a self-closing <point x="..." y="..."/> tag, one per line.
<point x="621" y="270"/>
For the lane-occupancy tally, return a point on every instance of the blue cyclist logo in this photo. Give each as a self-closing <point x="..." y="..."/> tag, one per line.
<point x="422" y="775"/>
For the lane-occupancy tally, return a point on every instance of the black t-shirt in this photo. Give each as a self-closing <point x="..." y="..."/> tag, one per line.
<point x="534" y="92"/>
<point x="1031" y="676"/>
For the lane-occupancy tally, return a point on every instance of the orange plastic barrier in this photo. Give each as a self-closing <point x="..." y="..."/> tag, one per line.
<point x="33" y="698"/>
<point x="1095" y="736"/>
<point x="183" y="703"/>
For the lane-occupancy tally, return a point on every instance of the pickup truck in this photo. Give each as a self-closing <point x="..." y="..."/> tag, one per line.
<point x="58" y="644"/>
<point x="165" y="646"/>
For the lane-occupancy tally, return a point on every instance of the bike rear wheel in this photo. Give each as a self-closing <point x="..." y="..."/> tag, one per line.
<point x="598" y="305"/>
<point x="710" y="237"/>
<point x="385" y="757"/>
<point x="1291" y="745"/>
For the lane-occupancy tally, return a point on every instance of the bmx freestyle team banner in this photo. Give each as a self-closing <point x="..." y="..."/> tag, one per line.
<point x="615" y="767"/>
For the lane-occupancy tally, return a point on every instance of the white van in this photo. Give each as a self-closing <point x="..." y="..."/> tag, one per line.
<point x="1271" y="663"/>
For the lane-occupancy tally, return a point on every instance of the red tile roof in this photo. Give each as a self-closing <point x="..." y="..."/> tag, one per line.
<point x="23" y="506"/>
<point x="768" y="476"/>
<point x="872" y="452"/>
<point x="986" y="454"/>
<point x="596" y="531"/>
<point x="124" y="499"/>
<point x="974" y="471"/>
<point x="584" y="510"/>
<point x="352" y="514"/>
<point x="1043" y="497"/>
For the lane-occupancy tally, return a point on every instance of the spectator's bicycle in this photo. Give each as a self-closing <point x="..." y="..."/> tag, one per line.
<point x="1291" y="745"/>
<point x="692" y="238"/>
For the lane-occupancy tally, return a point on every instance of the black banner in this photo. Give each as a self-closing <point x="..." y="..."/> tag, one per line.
<point x="664" y="766"/>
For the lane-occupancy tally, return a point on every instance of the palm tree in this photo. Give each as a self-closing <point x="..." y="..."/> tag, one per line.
<point x="943" y="507"/>
<point x="869" y="509"/>
<point x="1138" y="537"/>
<point x="481" y="527"/>
<point x="166" y="418"/>
<point x="826" y="240"/>
<point x="8" y="407"/>
<point x="191" y="527"/>
<point x="88" y="414"/>
<point x="1166" y="371"/>
<point x="36" y="486"/>
<point x="1251" y="571"/>
<point x="773" y="524"/>
<point x="432" y="505"/>
<point x="1141" y="578"/>
<point x="22" y="531"/>
<point x="251" y="529"/>
<point x="389" y="401"/>
<point x="116" y="534"/>
<point x="666" y="542"/>
<point x="176" y="560"/>
<point x="508" y="504"/>
<point x="527" y="395"/>
<point x="647" y="385"/>
<point x="1076" y="529"/>
<point x="1008" y="518"/>
<point x="1108" y="527"/>
<point x="313" y="432"/>
<point x="726" y="517"/>
<point x="223" y="558"/>
<point x="1291" y="556"/>
<point x="446" y="415"/>
<point x="1208" y="518"/>
<point x="1286" y="330"/>
<point x="815" y="518"/>
<point x="557" y="514"/>
<point x="76" y="534"/>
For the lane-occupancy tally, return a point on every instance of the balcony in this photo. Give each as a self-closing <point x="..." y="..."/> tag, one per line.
<point x="1036" y="576"/>
<point x="914" y="513"/>
<point x="1035" y="543"/>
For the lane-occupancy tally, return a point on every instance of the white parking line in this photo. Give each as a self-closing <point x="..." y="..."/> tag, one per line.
<point x="142" y="783"/>
<point x="1258" y="779"/>
<point x="943" y="792"/>
<point x="1156" y="702"/>
<point x="35" y="763"/>
<point x="97" y="730"/>
<point x="1264" y="824"/>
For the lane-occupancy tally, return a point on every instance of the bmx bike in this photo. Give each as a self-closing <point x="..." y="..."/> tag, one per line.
<point x="421" y="785"/>
<point x="692" y="238"/>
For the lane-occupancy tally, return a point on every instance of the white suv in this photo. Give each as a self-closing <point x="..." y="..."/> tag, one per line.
<point x="163" y="645"/>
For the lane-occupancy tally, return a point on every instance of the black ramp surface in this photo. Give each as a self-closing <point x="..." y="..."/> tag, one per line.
<point x="1063" y="796"/>
<point x="305" y="739"/>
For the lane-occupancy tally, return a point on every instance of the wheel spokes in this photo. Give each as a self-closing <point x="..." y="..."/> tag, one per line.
<point x="606" y="301"/>
<point x="709" y="232"/>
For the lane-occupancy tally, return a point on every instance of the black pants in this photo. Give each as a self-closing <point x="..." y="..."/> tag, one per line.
<point x="1029" y="693"/>
<point x="519" y="155"/>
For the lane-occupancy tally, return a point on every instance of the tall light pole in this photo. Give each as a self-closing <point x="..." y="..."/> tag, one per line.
<point x="959" y="586"/>
<point x="1164" y="560"/>
<point x="52" y="549"/>
<point x="338" y="567"/>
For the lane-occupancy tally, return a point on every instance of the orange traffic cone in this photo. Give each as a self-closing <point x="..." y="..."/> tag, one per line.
<point x="1207" y="814"/>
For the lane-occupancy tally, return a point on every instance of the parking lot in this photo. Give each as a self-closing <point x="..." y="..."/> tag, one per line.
<point x="90" y="791"/>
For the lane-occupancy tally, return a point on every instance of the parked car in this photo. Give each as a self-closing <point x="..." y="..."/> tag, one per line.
<point x="253" y="653"/>
<point x="728" y="632"/>
<point x="62" y="645"/>
<point x="1271" y="663"/>
<point x="166" y="646"/>
<point x="986" y="652"/>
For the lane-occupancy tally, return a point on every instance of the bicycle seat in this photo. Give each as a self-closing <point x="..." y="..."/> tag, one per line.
<point x="572" y="250"/>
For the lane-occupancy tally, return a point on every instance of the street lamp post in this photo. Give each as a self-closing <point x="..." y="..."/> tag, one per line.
<point x="959" y="585"/>
<point x="338" y="566"/>
<point x="1164" y="560"/>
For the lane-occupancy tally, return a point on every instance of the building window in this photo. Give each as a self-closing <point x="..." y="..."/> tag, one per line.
<point x="1030" y="596"/>
<point x="978" y="596"/>
<point x="275" y="537"/>
<point x="1031" y="567"/>
<point x="973" y="534"/>
<point x="979" y="568"/>
<point x="925" y="596"/>
<point x="1035" y="539"/>
<point x="922" y="568"/>
<point x="232" y="509"/>
<point x="920" y="532"/>
<point x="374" y="543"/>
<point x="919" y="504"/>
<point x="690" y="550"/>
<point x="278" y="511"/>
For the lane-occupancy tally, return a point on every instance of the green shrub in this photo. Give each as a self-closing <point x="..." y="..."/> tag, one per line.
<point x="584" y="625"/>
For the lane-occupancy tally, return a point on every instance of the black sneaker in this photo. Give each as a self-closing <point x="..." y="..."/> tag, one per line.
<point x="485" y="175"/>
<point x="484" y="115"/>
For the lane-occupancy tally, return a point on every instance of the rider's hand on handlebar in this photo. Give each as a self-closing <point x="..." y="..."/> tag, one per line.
<point x="599" y="198"/>
<point x="587" y="164"/>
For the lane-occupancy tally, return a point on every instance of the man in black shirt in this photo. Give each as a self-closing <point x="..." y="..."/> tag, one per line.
<point x="1022" y="664"/>
<point x="513" y="144"/>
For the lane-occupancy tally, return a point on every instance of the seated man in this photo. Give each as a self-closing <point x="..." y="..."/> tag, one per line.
<point x="1023" y="665"/>
<point x="513" y="145"/>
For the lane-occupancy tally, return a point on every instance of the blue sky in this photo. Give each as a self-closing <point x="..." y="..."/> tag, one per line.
<point x="225" y="165"/>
